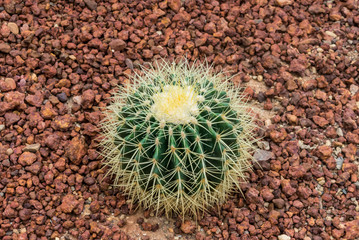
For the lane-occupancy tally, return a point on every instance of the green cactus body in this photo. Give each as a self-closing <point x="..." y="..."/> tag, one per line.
<point x="178" y="139"/>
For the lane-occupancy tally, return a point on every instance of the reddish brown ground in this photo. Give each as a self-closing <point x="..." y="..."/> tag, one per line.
<point x="60" y="61"/>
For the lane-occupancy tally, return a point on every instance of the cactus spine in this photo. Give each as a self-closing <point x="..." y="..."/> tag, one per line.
<point x="178" y="138"/>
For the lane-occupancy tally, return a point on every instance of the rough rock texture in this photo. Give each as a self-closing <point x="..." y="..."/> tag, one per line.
<point x="76" y="150"/>
<point x="297" y="60"/>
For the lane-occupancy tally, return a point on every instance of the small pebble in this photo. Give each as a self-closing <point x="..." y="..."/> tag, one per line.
<point x="62" y="97"/>
<point x="32" y="147"/>
<point x="283" y="237"/>
<point x="9" y="151"/>
<point x="339" y="161"/>
<point x="262" y="155"/>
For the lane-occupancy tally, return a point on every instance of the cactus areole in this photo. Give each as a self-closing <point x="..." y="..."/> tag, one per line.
<point x="177" y="138"/>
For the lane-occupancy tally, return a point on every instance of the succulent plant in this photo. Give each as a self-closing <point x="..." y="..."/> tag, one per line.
<point x="178" y="138"/>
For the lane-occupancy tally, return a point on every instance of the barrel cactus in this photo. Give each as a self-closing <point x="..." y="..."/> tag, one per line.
<point x="178" y="138"/>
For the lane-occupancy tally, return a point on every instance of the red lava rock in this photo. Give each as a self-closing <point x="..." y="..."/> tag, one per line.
<point x="316" y="9"/>
<point x="320" y="121"/>
<point x="273" y="216"/>
<point x="188" y="227"/>
<point x="93" y="117"/>
<point x="94" y="227"/>
<point x="270" y="62"/>
<point x="298" y="204"/>
<point x="62" y="122"/>
<point x="14" y="98"/>
<point x="283" y="3"/>
<point x="248" y="91"/>
<point x="36" y="204"/>
<point x="5" y="31"/>
<point x="297" y="171"/>
<point x="327" y="197"/>
<point x="90" y="129"/>
<point x="292" y="119"/>
<point x="4" y="107"/>
<point x="147" y="53"/>
<point x="352" y="229"/>
<point x="201" y="41"/>
<point x="313" y="211"/>
<point x="60" y="164"/>
<point x="49" y="177"/>
<point x="150" y="19"/>
<point x="49" y="71"/>
<point x="278" y="136"/>
<point x="5" y="48"/>
<point x="86" y="235"/>
<point x="77" y="148"/>
<point x="9" y="212"/>
<point x="53" y="141"/>
<point x="279" y="203"/>
<point x="322" y="82"/>
<point x="149" y="227"/>
<point x="11" y="118"/>
<point x="87" y="98"/>
<point x="267" y="195"/>
<point x="335" y="15"/>
<point x="352" y="138"/>
<point x="35" y="120"/>
<point x="297" y="66"/>
<point x="287" y="188"/>
<point x="7" y="84"/>
<point x="309" y="84"/>
<point x="337" y="233"/>
<point x="321" y="95"/>
<point x="47" y="111"/>
<point x="69" y="202"/>
<point x="22" y="236"/>
<point x="175" y="5"/>
<point x="9" y="6"/>
<point x="68" y="224"/>
<point x="349" y="167"/>
<point x="20" y="190"/>
<point x="210" y="28"/>
<point x="91" y="4"/>
<point x="252" y="195"/>
<point x="35" y="100"/>
<point x="27" y="158"/>
<point x="291" y="85"/>
<point x="304" y="192"/>
<point x="324" y="152"/>
<point x="25" y="214"/>
<point x="118" y="44"/>
<point x="89" y="180"/>
<point x="34" y="168"/>
<point x="95" y="207"/>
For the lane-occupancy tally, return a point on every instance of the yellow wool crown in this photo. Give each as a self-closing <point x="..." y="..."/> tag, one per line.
<point x="175" y="104"/>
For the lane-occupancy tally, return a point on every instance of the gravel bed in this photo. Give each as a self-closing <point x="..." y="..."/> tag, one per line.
<point x="61" y="60"/>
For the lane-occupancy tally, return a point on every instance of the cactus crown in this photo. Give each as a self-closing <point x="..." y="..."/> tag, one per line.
<point x="178" y="138"/>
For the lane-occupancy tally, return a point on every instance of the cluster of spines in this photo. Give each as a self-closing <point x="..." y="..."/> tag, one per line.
<point x="179" y="168"/>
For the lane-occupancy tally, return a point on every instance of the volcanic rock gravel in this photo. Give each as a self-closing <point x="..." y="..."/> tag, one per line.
<point x="61" y="60"/>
